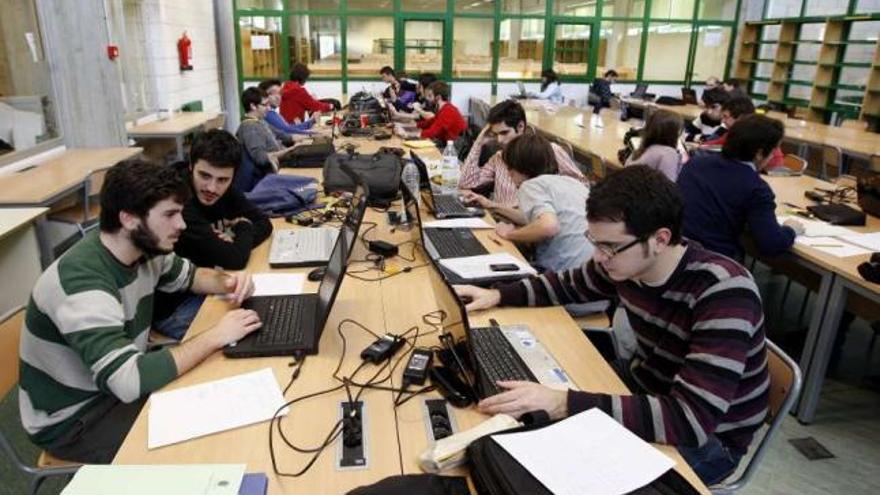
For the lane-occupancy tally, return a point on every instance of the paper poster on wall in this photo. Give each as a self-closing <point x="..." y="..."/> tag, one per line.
<point x="712" y="38"/>
<point x="261" y="42"/>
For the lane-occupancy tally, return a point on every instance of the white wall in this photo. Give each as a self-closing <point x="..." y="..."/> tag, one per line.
<point x="363" y="30"/>
<point x="163" y="23"/>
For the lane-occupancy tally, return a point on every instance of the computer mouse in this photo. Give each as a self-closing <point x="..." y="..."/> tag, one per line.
<point x="317" y="274"/>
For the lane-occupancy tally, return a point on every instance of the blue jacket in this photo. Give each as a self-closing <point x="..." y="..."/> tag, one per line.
<point x="275" y="119"/>
<point x="721" y="196"/>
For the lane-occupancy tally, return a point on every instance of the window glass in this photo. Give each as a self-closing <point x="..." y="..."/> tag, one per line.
<point x="623" y="8"/>
<point x="422" y="6"/>
<point x="711" y="56"/>
<point x="260" y="4"/>
<point x="666" y="56"/>
<point x="807" y="52"/>
<point x="523" y="7"/>
<point x="814" y="31"/>
<point x="849" y="97"/>
<point x="800" y="72"/>
<point x="317" y="42"/>
<point x="27" y="117"/>
<point x="783" y="8"/>
<point x="474" y="6"/>
<point x="370" y="45"/>
<point x="314" y="4"/>
<point x="867" y="30"/>
<point x="381" y="5"/>
<point x="826" y="7"/>
<point x="799" y="92"/>
<point x="672" y="9"/>
<point x="579" y="8"/>
<point x="260" y="39"/>
<point x="771" y="32"/>
<point x="572" y="49"/>
<point x="861" y="54"/>
<point x="724" y="10"/>
<point x="619" y="46"/>
<point x="856" y="76"/>
<point x="521" y="47"/>
<point x="764" y="69"/>
<point x="767" y="51"/>
<point x="424" y="46"/>
<point x="472" y="47"/>
<point x="760" y="88"/>
<point x="868" y="6"/>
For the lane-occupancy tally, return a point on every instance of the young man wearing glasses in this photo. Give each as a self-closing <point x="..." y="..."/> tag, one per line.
<point x="699" y="374"/>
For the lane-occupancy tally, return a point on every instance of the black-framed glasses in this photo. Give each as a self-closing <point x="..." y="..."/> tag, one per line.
<point x="612" y="250"/>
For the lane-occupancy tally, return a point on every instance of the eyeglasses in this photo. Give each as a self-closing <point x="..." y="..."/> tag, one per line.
<point x="611" y="250"/>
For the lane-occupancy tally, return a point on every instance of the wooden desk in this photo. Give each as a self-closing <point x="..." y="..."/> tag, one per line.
<point x="391" y="305"/>
<point x="176" y="127"/>
<point x="19" y="260"/>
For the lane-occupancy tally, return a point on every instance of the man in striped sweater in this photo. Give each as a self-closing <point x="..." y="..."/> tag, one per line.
<point x="85" y="368"/>
<point x="699" y="374"/>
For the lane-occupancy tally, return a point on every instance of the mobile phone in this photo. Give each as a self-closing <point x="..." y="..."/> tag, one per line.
<point x="504" y="267"/>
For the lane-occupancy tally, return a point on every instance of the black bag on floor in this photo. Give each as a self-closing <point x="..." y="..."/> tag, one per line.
<point x="309" y="155"/>
<point x="495" y="472"/>
<point x="381" y="171"/>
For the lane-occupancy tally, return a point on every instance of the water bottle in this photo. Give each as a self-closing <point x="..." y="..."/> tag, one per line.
<point x="410" y="179"/>
<point x="450" y="172"/>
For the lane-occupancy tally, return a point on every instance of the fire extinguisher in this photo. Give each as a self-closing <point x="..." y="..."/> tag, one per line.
<point x="184" y="52"/>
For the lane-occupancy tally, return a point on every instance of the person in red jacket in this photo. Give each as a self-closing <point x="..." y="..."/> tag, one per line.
<point x="731" y="111"/>
<point x="295" y="100"/>
<point x="447" y="123"/>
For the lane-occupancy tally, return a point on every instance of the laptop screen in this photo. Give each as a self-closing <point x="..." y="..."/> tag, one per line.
<point x="521" y="87"/>
<point x="454" y="317"/>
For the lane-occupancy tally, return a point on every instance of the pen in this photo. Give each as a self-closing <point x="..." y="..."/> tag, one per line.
<point x="825" y="245"/>
<point x="496" y="241"/>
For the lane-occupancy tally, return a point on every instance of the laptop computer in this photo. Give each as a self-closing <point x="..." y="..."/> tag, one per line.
<point x="442" y="205"/>
<point x="689" y="96"/>
<point x="294" y="323"/>
<point x="522" y="94"/>
<point x="493" y="353"/>
<point x="640" y="91"/>
<point x="312" y="247"/>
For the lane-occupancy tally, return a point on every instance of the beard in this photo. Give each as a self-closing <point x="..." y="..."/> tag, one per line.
<point x="147" y="242"/>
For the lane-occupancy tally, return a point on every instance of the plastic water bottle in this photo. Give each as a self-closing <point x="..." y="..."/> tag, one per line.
<point x="410" y="179"/>
<point x="450" y="169"/>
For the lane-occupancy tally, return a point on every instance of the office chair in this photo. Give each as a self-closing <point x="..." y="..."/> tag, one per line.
<point x="795" y="164"/>
<point x="785" y="385"/>
<point x="47" y="466"/>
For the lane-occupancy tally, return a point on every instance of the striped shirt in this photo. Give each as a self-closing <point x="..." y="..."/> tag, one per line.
<point x="85" y="335"/>
<point x="473" y="176"/>
<point x="701" y="358"/>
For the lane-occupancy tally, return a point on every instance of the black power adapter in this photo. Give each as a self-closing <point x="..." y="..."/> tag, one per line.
<point x="382" y="248"/>
<point x="383" y="348"/>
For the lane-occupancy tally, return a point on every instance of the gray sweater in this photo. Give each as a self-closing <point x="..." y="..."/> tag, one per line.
<point x="258" y="140"/>
<point x="659" y="157"/>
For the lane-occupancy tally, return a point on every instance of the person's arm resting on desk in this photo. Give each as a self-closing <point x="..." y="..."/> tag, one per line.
<point x="771" y="238"/>
<point x="544" y="227"/>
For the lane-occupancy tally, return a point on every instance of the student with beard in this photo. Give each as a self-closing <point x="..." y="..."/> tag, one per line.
<point x="86" y="371"/>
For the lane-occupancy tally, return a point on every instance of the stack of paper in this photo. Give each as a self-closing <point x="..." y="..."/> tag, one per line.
<point x="212" y="407"/>
<point x="474" y="267"/>
<point x="278" y="284"/>
<point x="451" y="223"/>
<point x="867" y="241"/>
<point x="832" y="246"/>
<point x="817" y="228"/>
<point x="586" y="453"/>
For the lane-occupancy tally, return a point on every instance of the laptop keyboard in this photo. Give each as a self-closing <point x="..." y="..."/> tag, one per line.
<point x="455" y="243"/>
<point x="283" y="318"/>
<point x="496" y="358"/>
<point x="449" y="205"/>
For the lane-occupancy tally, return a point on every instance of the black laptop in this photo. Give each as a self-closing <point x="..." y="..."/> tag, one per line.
<point x="689" y="96"/>
<point x="442" y="205"/>
<point x="640" y="91"/>
<point x="294" y="323"/>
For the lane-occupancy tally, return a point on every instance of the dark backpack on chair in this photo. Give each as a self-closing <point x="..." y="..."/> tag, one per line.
<point x="381" y="171"/>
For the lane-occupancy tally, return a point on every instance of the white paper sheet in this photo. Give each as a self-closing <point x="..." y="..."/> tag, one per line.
<point x="278" y="284"/>
<point x="586" y="453"/>
<point x="261" y="42"/>
<point x="211" y="407"/>
<point x="204" y="479"/>
<point x="465" y="223"/>
<point x="478" y="266"/>
<point x="817" y="228"/>
<point x="832" y="246"/>
<point x="867" y="241"/>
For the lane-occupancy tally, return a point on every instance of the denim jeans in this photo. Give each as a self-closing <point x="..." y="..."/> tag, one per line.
<point x="712" y="462"/>
<point x="176" y="325"/>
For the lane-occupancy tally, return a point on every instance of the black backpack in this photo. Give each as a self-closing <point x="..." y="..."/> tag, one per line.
<point x="381" y="172"/>
<point x="309" y="155"/>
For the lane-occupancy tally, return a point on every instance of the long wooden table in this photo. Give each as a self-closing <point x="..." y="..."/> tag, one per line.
<point x="19" y="255"/>
<point x="176" y="127"/>
<point x="390" y="305"/>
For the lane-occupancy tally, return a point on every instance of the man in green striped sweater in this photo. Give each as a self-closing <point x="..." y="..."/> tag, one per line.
<point x="85" y="368"/>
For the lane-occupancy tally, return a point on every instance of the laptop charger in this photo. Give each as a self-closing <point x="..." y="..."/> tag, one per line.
<point x="382" y="248"/>
<point x="383" y="348"/>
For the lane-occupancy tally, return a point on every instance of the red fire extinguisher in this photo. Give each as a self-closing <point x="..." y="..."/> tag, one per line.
<point x="184" y="52"/>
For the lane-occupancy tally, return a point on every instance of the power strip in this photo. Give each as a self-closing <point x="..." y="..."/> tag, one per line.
<point x="352" y="446"/>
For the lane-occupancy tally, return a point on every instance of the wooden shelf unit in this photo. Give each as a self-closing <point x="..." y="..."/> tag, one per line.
<point x="783" y="61"/>
<point x="260" y="62"/>
<point x="748" y="51"/>
<point x="871" y="101"/>
<point x="830" y="55"/>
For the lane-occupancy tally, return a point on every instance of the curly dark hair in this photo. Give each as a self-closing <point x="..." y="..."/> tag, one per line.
<point x="750" y="134"/>
<point x="217" y="147"/>
<point x="530" y="154"/>
<point x="640" y="197"/>
<point x="508" y="111"/>
<point x="135" y="186"/>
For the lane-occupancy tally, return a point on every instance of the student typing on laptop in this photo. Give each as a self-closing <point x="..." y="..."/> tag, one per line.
<point x="699" y="374"/>
<point x="222" y="226"/>
<point x="506" y="121"/>
<point x="86" y="371"/>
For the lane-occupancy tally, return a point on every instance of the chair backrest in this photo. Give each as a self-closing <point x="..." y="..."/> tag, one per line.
<point x="832" y="157"/>
<point x="875" y="163"/>
<point x="854" y="124"/>
<point x="795" y="163"/>
<point x="785" y="385"/>
<point x="10" y="334"/>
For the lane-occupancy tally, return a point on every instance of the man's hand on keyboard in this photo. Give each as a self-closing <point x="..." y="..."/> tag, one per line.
<point x="239" y="286"/>
<point x="476" y="298"/>
<point x="523" y="397"/>
<point x="235" y="325"/>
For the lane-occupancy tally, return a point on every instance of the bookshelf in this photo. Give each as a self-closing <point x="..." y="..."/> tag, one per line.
<point x="260" y="62"/>
<point x="830" y="55"/>
<point x="871" y="101"/>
